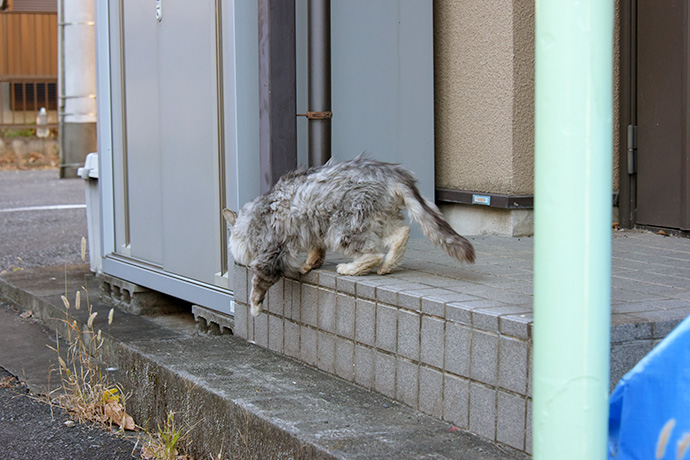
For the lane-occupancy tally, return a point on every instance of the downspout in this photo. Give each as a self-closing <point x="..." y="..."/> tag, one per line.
<point x="319" y="114"/>
<point x="572" y="246"/>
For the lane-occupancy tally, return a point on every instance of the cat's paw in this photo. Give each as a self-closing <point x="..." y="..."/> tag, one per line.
<point x="255" y="310"/>
<point x="349" y="270"/>
<point x="305" y="268"/>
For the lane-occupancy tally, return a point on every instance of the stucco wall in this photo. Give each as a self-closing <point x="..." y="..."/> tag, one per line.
<point x="484" y="95"/>
<point x="484" y="77"/>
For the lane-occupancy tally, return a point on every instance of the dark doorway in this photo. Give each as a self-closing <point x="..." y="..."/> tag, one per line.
<point x="655" y="166"/>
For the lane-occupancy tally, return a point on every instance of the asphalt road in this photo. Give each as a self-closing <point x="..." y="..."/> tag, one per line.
<point x="42" y="221"/>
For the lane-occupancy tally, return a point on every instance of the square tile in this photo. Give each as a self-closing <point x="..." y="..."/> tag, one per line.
<point x="241" y="312"/>
<point x="325" y="359"/>
<point x="308" y="345"/>
<point x="510" y="423"/>
<point x="458" y="343"/>
<point x="384" y="375"/>
<point x="483" y="410"/>
<point x="512" y="365"/>
<point x="386" y="327"/>
<point x="432" y="342"/>
<point x="365" y="322"/>
<point x="408" y="334"/>
<point x="407" y="389"/>
<point x="344" y="359"/>
<point x="309" y="305"/>
<point x="275" y="333"/>
<point x="326" y="313"/>
<point x="291" y="299"/>
<point x="274" y="298"/>
<point x="261" y="330"/>
<point x="240" y="275"/>
<point x="456" y="400"/>
<point x="431" y="391"/>
<point x="292" y="339"/>
<point x="484" y="357"/>
<point x="345" y="316"/>
<point x="364" y="366"/>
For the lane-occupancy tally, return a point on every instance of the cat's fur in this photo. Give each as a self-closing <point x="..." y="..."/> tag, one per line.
<point x="354" y="207"/>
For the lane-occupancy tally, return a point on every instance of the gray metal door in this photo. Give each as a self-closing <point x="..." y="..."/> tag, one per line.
<point x="663" y="152"/>
<point x="171" y="184"/>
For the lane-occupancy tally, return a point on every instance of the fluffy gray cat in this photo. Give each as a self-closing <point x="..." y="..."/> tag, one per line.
<point x="354" y="207"/>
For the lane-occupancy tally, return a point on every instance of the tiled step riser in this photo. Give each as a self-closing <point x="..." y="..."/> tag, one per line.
<point x="476" y="379"/>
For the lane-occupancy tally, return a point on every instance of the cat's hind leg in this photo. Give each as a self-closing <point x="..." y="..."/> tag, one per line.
<point x="361" y="265"/>
<point x="396" y="243"/>
<point x="315" y="258"/>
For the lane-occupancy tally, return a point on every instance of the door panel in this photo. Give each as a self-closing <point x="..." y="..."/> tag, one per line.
<point x="662" y="113"/>
<point x="173" y="177"/>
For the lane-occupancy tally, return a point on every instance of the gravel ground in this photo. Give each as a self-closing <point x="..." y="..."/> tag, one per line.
<point x="31" y="429"/>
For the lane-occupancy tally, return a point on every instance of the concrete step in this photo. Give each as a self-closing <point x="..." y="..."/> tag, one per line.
<point x="243" y="400"/>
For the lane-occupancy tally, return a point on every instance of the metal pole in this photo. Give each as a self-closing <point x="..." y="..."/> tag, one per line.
<point x="319" y="80"/>
<point x="572" y="247"/>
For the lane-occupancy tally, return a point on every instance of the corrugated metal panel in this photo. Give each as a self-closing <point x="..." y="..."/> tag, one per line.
<point x="33" y="6"/>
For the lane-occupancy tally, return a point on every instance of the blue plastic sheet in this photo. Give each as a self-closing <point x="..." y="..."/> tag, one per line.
<point x="649" y="410"/>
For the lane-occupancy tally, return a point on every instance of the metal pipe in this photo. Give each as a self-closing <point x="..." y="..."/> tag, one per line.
<point x="572" y="246"/>
<point x="319" y="80"/>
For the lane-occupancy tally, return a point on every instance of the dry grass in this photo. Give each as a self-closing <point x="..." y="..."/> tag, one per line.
<point x="86" y="390"/>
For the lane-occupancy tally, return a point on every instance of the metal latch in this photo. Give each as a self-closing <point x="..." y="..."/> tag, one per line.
<point x="632" y="149"/>
<point x="316" y="115"/>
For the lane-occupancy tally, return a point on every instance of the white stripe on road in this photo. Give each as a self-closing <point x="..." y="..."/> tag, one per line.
<point x="45" y="208"/>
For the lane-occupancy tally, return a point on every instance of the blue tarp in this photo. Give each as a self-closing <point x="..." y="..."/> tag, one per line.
<point x="649" y="410"/>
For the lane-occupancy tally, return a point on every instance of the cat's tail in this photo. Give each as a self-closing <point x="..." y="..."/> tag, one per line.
<point x="434" y="225"/>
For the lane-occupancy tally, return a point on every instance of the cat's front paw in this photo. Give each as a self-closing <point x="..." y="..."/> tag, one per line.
<point x="305" y="268"/>
<point x="349" y="270"/>
<point x="255" y="310"/>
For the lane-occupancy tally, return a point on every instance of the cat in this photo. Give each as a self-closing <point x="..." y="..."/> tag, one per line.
<point x="353" y="207"/>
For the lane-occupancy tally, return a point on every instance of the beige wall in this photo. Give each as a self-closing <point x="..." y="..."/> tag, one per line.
<point x="484" y="77"/>
<point x="484" y="95"/>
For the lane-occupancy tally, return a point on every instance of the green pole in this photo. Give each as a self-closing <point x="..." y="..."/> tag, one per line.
<point x="572" y="246"/>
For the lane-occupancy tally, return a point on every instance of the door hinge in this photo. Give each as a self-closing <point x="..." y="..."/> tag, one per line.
<point x="632" y="149"/>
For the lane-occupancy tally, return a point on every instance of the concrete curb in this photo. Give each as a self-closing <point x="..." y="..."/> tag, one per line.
<point x="242" y="400"/>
